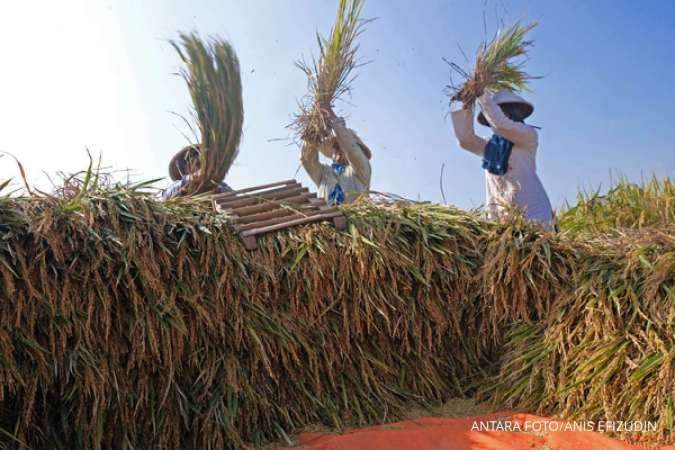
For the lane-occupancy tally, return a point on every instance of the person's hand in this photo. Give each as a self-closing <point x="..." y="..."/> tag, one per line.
<point x="458" y="98"/>
<point x="326" y="111"/>
<point x="455" y="101"/>
<point x="310" y="138"/>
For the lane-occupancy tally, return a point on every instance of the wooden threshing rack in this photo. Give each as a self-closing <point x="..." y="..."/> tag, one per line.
<point x="271" y="207"/>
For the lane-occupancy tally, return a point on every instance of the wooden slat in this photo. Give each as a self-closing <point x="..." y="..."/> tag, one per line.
<point x="254" y="188"/>
<point x="280" y="212"/>
<point x="250" y="242"/>
<point x="340" y="222"/>
<point x="264" y="187"/>
<point x="256" y="194"/>
<point x="274" y="206"/>
<point x="276" y="194"/>
<point x="246" y="210"/>
<point x="290" y="223"/>
<point x="236" y="202"/>
<point x="276" y="220"/>
<point x="264" y="223"/>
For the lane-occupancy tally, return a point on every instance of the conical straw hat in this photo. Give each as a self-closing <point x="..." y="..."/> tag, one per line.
<point x="504" y="97"/>
<point x="174" y="165"/>
<point x="326" y="147"/>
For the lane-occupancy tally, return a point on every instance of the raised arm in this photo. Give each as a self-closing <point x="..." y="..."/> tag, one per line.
<point x="462" y="122"/>
<point x="309" y="157"/>
<point x="516" y="132"/>
<point x="350" y="146"/>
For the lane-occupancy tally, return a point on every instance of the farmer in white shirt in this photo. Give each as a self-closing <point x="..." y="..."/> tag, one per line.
<point x="349" y="174"/>
<point x="508" y="157"/>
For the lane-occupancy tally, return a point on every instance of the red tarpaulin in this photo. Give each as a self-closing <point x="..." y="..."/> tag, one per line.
<point x="499" y="431"/>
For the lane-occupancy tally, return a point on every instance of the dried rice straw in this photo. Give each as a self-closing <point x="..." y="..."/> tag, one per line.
<point x="214" y="81"/>
<point x="494" y="69"/>
<point x="330" y="76"/>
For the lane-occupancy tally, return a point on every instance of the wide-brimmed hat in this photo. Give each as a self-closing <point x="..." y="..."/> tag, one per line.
<point x="505" y="97"/>
<point x="179" y="158"/>
<point x="326" y="147"/>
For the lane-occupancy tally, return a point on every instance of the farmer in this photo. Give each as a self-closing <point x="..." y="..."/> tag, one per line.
<point x="184" y="166"/>
<point x="349" y="174"/>
<point x="508" y="157"/>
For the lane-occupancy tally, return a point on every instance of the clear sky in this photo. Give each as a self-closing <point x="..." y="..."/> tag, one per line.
<point x="98" y="74"/>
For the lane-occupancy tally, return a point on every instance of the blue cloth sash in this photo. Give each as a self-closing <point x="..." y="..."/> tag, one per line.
<point x="496" y="155"/>
<point x="337" y="195"/>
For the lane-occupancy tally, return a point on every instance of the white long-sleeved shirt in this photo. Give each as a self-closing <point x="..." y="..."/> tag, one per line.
<point x="356" y="177"/>
<point x="520" y="186"/>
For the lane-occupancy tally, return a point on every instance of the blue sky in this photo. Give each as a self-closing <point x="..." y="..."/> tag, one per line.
<point x="99" y="75"/>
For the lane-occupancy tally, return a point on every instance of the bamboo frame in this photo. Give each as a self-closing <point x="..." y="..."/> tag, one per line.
<point x="272" y="207"/>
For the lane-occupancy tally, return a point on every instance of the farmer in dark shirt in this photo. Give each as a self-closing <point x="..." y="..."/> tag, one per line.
<point x="184" y="166"/>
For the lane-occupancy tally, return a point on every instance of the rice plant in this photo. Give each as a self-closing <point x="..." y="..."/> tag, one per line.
<point x="626" y="205"/>
<point x="494" y="68"/>
<point x="213" y="79"/>
<point x="330" y="76"/>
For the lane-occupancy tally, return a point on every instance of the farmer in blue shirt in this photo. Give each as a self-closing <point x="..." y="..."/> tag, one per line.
<point x="184" y="166"/>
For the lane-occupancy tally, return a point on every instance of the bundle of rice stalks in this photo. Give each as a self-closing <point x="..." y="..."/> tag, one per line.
<point x="330" y="76"/>
<point x="214" y="81"/>
<point x="625" y="206"/>
<point x="606" y="352"/>
<point x="494" y="68"/>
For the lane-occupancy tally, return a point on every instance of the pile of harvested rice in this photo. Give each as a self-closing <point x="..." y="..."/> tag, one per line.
<point x="131" y="322"/>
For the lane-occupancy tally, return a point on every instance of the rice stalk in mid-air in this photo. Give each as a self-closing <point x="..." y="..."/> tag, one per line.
<point x="213" y="78"/>
<point x="330" y="76"/>
<point x="494" y="68"/>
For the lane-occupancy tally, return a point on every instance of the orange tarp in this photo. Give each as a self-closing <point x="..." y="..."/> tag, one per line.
<point x="500" y="431"/>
